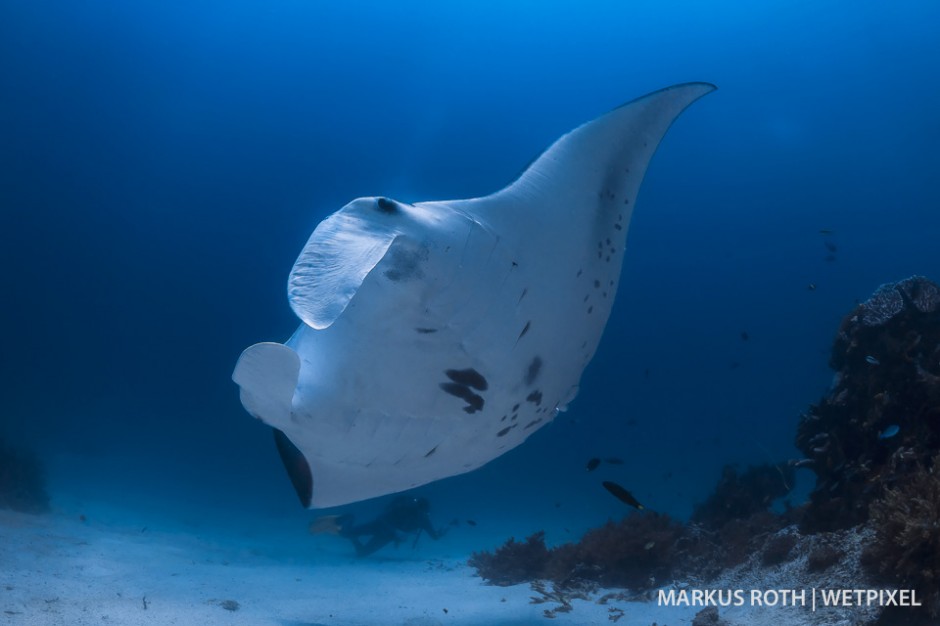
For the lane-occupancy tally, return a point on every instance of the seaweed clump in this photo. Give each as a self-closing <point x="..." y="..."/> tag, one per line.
<point x="514" y="562"/>
<point x="22" y="481"/>
<point x="633" y="553"/>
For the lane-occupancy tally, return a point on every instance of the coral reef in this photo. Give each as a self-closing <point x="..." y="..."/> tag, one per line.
<point x="874" y="441"/>
<point x="22" y="481"/>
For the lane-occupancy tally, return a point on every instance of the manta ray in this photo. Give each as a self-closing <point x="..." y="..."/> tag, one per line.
<point x="436" y="336"/>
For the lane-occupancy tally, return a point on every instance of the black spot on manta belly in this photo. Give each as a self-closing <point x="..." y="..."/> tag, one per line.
<point x="430" y="452"/>
<point x="504" y="431"/>
<point x="532" y="372"/>
<point x="425" y="331"/>
<point x="535" y="397"/>
<point x="469" y="377"/>
<point x="525" y="329"/>
<point x="474" y="402"/>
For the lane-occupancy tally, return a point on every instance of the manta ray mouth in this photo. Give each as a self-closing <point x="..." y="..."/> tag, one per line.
<point x="297" y="467"/>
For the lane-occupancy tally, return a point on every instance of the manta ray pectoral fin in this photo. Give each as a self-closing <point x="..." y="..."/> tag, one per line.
<point x="339" y="255"/>
<point x="267" y="374"/>
<point x="598" y="164"/>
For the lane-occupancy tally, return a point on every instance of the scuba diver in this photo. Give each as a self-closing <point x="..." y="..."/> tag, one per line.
<point x="404" y="514"/>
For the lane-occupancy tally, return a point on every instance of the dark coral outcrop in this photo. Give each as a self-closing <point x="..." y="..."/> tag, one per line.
<point x="881" y="417"/>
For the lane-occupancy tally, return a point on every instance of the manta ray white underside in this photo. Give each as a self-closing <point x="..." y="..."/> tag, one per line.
<point x="437" y="336"/>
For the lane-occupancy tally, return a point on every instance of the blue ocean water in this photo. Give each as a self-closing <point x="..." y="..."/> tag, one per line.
<point x="164" y="163"/>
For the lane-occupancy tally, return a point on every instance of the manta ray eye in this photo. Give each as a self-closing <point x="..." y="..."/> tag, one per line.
<point x="384" y="205"/>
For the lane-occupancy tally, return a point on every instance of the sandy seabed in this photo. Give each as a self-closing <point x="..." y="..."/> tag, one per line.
<point x="101" y="567"/>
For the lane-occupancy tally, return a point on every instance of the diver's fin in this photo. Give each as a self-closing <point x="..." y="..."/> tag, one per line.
<point x="297" y="467"/>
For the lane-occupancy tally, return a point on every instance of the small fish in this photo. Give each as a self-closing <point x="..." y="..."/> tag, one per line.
<point x="592" y="464"/>
<point x="826" y="231"/>
<point x="872" y="360"/>
<point x="744" y="335"/>
<point x="622" y="494"/>
<point x="614" y="460"/>
<point x="831" y="247"/>
<point x="471" y="522"/>
<point x="889" y="431"/>
<point x="811" y="286"/>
